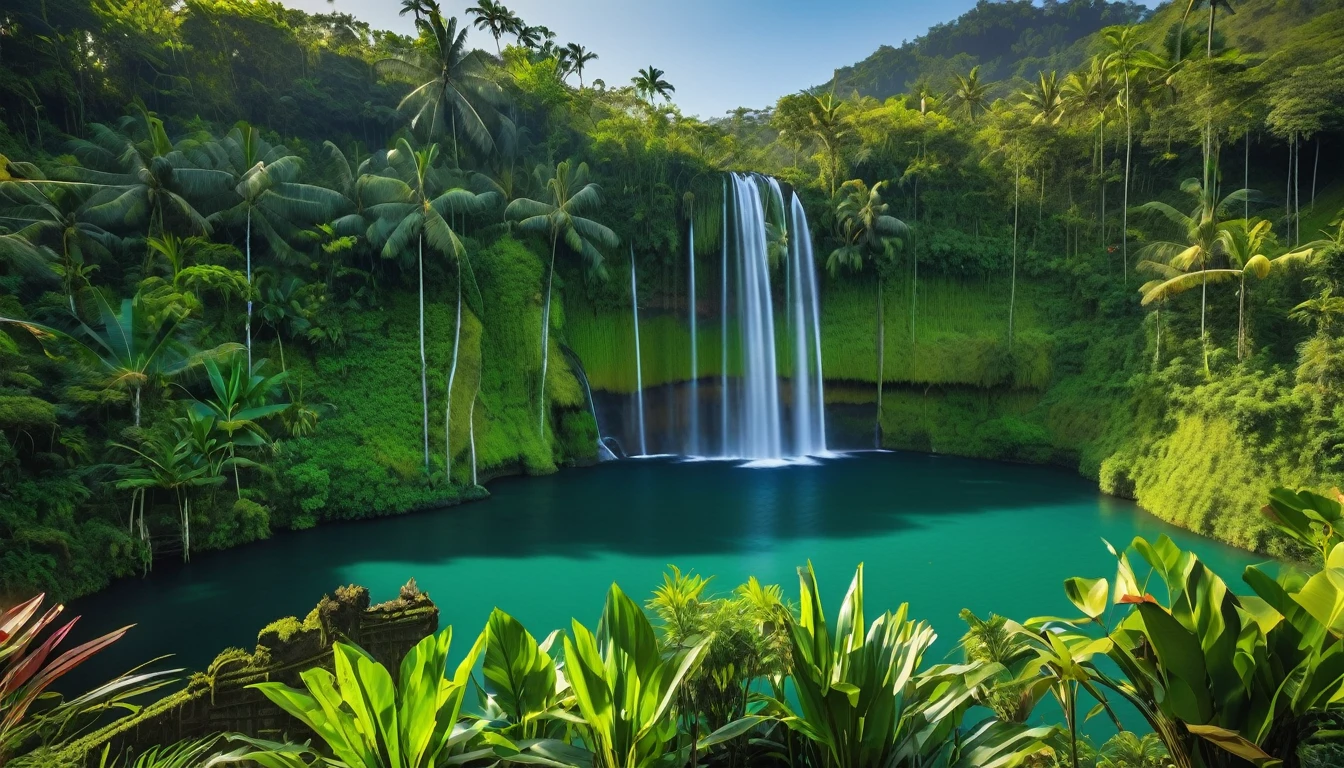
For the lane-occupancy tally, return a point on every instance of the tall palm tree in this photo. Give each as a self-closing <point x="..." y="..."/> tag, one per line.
<point x="493" y="17"/>
<point x="1090" y="95"/>
<point x="1199" y="248"/>
<point x="453" y="85"/>
<point x="579" y="57"/>
<point x="650" y="84"/>
<point x="569" y="198"/>
<point x="1043" y="99"/>
<point x="130" y="346"/>
<point x="870" y="238"/>
<point x="829" y="125"/>
<point x="410" y="206"/>
<point x="267" y="195"/>
<point x="1124" y="52"/>
<point x="971" y="94"/>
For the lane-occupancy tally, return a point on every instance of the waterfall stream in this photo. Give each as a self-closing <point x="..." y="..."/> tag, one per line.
<point x="639" y="363"/>
<point x="695" y="352"/>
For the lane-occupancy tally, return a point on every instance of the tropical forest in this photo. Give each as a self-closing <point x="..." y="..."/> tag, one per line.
<point x="595" y="384"/>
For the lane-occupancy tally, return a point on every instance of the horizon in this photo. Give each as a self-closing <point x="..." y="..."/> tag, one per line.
<point x="615" y="30"/>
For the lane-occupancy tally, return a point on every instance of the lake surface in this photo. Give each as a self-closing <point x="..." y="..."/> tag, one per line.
<point x="941" y="533"/>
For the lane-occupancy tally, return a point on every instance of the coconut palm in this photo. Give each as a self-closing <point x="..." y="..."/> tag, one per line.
<point x="1244" y="243"/>
<point x="269" y="197"/>
<point x="1043" y="100"/>
<point x="409" y="205"/>
<point x="137" y="172"/>
<point x="569" y="198"/>
<point x="1124" y="53"/>
<point x="970" y="93"/>
<point x="494" y="18"/>
<point x="131" y="347"/>
<point x="1200" y="247"/>
<point x="453" y="86"/>
<point x="870" y="237"/>
<point x="650" y="84"/>
<point x="578" y="57"/>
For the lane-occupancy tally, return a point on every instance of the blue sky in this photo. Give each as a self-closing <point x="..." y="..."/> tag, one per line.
<point x="719" y="54"/>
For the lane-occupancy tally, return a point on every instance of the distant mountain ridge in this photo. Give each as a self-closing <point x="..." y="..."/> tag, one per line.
<point x="1006" y="38"/>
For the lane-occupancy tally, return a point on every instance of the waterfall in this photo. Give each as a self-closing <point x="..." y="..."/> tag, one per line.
<point x="604" y="452"/>
<point x="639" y="363"/>
<point x="759" y="434"/>
<point x="809" y="388"/>
<point x="767" y="247"/>
<point x="723" y="322"/>
<point x="695" y="355"/>
<point x="755" y="415"/>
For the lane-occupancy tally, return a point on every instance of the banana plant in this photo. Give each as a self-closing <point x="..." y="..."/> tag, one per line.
<point x="1226" y="680"/>
<point x="1315" y="520"/>
<point x="367" y="721"/>
<point x="523" y="688"/>
<point x="624" y="689"/>
<point x="862" y="700"/>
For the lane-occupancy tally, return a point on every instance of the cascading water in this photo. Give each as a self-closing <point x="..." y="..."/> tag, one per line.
<point x="639" y="364"/>
<point x="766" y="245"/>
<point x="695" y="354"/>
<point x="754" y="415"/>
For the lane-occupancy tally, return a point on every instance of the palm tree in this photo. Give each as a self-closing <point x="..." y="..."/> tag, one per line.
<point x="131" y="347"/>
<point x="1192" y="5"/>
<point x="496" y="19"/>
<point x="135" y="178"/>
<point x="971" y="94"/>
<point x="1123" y="51"/>
<point x="269" y="197"/>
<point x="1129" y="750"/>
<point x="453" y="85"/>
<point x="170" y="464"/>
<point x="410" y="207"/>
<point x="871" y="237"/>
<point x="1200" y="229"/>
<point x="54" y="216"/>
<point x="578" y="57"/>
<point x="1244" y="243"/>
<point x="570" y="196"/>
<point x="1043" y="100"/>
<point x="534" y="38"/>
<point x="650" y="84"/>
<point x="829" y="125"/>
<point x="1091" y="94"/>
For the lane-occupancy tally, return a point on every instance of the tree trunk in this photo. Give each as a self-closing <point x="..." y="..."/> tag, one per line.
<point x="545" y="340"/>
<point x="1241" y="319"/>
<point x="137" y="405"/>
<point x="471" y="426"/>
<point x="914" y="256"/>
<point x="1315" y="169"/>
<point x="1102" y="163"/>
<point x="452" y="373"/>
<point x="1297" y="193"/>
<point x="881" y="363"/>
<point x="1012" y="291"/>
<point x="1157" y="353"/>
<point x="424" y="368"/>
<point x="249" y="290"/>
<point x="1124" y="211"/>
<point x="1246" y="180"/>
<point x="1203" y="306"/>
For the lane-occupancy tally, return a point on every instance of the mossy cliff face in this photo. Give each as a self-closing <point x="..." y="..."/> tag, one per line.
<point x="366" y="459"/>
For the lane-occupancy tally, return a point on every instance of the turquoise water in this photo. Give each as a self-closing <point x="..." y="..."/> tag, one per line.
<point x="938" y="532"/>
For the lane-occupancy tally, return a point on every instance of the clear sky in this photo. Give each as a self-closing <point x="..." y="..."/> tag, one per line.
<point x="720" y="54"/>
